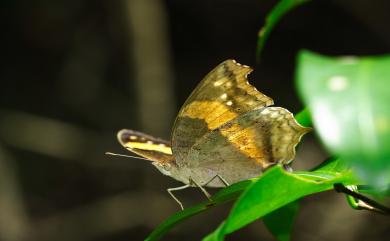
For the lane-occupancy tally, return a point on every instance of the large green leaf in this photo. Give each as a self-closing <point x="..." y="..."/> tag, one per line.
<point x="272" y="19"/>
<point x="349" y="98"/>
<point x="276" y="188"/>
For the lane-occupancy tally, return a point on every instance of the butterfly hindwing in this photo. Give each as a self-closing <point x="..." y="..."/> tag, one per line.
<point x="221" y="96"/>
<point x="245" y="146"/>
<point x="147" y="146"/>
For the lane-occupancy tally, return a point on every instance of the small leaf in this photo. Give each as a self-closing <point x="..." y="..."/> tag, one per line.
<point x="349" y="100"/>
<point x="272" y="19"/>
<point x="280" y="221"/>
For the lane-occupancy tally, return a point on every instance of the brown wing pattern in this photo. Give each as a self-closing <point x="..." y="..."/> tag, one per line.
<point x="221" y="96"/>
<point x="247" y="145"/>
<point x="147" y="146"/>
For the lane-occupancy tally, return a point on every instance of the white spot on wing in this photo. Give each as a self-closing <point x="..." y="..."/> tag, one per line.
<point x="238" y="64"/>
<point x="224" y="96"/>
<point x="149" y="142"/>
<point x="218" y="82"/>
<point x="229" y="103"/>
<point x="133" y="137"/>
<point x="266" y="111"/>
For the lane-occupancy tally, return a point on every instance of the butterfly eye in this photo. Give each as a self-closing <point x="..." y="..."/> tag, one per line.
<point x="218" y="83"/>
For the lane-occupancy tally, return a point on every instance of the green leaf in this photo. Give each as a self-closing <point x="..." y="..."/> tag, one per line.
<point x="280" y="221"/>
<point x="225" y="195"/>
<point x="276" y="188"/>
<point x="272" y="19"/>
<point x="304" y="118"/>
<point x="349" y="99"/>
<point x="215" y="236"/>
<point x="332" y="164"/>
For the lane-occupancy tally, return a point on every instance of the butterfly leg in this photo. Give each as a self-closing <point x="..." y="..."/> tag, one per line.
<point x="220" y="178"/>
<point x="288" y="168"/>
<point x="202" y="189"/>
<point x="170" y="191"/>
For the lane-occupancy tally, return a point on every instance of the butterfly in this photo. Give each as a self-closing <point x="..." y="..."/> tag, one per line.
<point x="225" y="132"/>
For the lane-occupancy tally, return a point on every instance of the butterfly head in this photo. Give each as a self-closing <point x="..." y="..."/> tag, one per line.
<point x="165" y="168"/>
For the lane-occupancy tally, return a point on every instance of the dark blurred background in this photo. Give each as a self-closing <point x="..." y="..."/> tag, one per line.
<point x="75" y="72"/>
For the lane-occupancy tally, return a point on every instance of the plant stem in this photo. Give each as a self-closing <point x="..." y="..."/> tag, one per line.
<point x="363" y="201"/>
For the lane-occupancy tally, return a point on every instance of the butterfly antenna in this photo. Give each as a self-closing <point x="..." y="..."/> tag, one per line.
<point x="121" y="155"/>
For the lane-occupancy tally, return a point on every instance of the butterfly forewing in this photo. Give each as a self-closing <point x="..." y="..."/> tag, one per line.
<point x="147" y="146"/>
<point x="222" y="96"/>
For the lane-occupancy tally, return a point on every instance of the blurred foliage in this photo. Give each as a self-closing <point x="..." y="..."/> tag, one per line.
<point x="349" y="98"/>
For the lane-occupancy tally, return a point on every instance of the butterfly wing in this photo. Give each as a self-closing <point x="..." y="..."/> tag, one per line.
<point x="147" y="146"/>
<point x="245" y="146"/>
<point x="220" y="97"/>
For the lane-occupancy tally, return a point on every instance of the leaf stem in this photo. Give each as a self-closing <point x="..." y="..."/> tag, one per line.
<point x="365" y="202"/>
